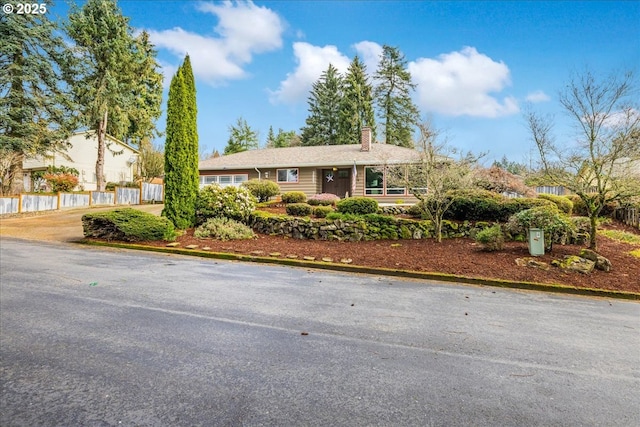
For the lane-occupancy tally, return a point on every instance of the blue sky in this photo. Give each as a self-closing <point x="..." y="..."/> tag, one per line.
<point x="476" y="64"/>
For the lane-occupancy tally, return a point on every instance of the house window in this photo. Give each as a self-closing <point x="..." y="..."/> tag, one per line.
<point x="394" y="177"/>
<point x="223" y="180"/>
<point x="378" y="182"/>
<point x="374" y="181"/>
<point x="287" y="175"/>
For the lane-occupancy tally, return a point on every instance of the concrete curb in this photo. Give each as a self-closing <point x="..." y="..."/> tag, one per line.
<point x="543" y="287"/>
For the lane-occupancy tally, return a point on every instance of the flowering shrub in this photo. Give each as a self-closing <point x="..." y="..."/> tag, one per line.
<point x="324" y="199"/>
<point x="61" y="181"/>
<point x="224" y="229"/>
<point x="228" y="202"/>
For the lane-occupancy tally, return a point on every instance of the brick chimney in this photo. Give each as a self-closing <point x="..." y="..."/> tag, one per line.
<point x="365" y="139"/>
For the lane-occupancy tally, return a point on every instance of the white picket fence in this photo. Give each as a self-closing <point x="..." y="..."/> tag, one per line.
<point x="33" y="202"/>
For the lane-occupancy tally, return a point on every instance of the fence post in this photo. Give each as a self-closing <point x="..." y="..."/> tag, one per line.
<point x="20" y="203"/>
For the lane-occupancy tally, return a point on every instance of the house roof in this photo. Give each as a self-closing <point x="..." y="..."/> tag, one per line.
<point x="312" y="156"/>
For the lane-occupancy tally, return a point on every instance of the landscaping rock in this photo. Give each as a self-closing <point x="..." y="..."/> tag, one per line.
<point x="309" y="258"/>
<point x="173" y="244"/>
<point x="575" y="263"/>
<point x="346" y="260"/>
<point x="275" y="254"/>
<point x="191" y="247"/>
<point x="532" y="262"/>
<point x="327" y="259"/>
<point x="602" y="263"/>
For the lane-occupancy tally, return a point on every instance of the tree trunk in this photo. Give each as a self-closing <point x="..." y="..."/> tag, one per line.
<point x="16" y="179"/>
<point x="438" y="224"/>
<point x="102" y="134"/>
<point x="592" y="234"/>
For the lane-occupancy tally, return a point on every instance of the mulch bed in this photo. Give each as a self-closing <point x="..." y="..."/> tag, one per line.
<point x="453" y="256"/>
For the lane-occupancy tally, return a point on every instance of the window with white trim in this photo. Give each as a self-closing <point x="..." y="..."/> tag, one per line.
<point x="287" y="175"/>
<point x="223" y="180"/>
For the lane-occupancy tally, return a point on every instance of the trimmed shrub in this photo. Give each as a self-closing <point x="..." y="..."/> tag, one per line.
<point x="299" y="209"/>
<point x="564" y="203"/>
<point x="294" y="197"/>
<point x="491" y="238"/>
<point x="556" y="226"/>
<point x="262" y="189"/>
<point x="228" y="202"/>
<point x="224" y="229"/>
<point x="357" y="205"/>
<point x="323" y="199"/>
<point x="483" y="205"/>
<point x="127" y="224"/>
<point x="322" y="211"/>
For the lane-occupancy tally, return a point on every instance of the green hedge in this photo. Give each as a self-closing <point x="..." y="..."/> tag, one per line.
<point x="563" y="202"/>
<point x="127" y="224"/>
<point x="294" y="197"/>
<point x="357" y="205"/>
<point x="262" y="189"/>
<point x="299" y="209"/>
<point x="482" y="205"/>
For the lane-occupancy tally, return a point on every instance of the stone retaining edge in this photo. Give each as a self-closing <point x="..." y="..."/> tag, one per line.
<point x="532" y="286"/>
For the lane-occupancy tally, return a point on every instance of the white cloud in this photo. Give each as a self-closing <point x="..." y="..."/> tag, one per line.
<point x="312" y="61"/>
<point x="461" y="83"/>
<point x="244" y="29"/>
<point x="370" y="53"/>
<point x="537" y="96"/>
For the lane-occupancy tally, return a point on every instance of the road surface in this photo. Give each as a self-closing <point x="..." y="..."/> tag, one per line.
<point x="108" y="337"/>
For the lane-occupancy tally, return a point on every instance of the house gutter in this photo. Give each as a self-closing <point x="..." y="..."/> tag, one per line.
<point x="259" y="173"/>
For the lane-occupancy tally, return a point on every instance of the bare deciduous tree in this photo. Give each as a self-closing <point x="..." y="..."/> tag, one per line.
<point x="599" y="165"/>
<point x="432" y="179"/>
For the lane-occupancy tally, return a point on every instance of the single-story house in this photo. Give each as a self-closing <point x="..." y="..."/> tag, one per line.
<point x="343" y="170"/>
<point x="119" y="161"/>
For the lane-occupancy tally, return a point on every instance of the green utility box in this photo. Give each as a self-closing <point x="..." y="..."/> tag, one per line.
<point x="536" y="241"/>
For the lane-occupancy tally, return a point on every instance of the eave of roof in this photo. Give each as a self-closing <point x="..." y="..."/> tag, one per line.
<point x="314" y="156"/>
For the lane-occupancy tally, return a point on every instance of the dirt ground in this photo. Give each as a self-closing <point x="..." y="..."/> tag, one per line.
<point x="455" y="256"/>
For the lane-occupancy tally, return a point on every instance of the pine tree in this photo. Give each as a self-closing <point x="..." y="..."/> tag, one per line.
<point x="392" y="93"/>
<point x="36" y="110"/>
<point x="181" y="149"/>
<point x="271" y="138"/>
<point x="241" y="138"/>
<point x="322" y="125"/>
<point x="116" y="80"/>
<point x="356" y="110"/>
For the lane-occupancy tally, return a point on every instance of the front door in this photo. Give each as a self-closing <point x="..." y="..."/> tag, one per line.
<point x="336" y="181"/>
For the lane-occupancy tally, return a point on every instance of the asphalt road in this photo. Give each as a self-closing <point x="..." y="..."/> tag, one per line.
<point x="105" y="337"/>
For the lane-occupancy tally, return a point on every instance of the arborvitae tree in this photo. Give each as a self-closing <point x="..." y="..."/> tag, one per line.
<point x="116" y="82"/>
<point x="356" y="109"/>
<point x="181" y="150"/>
<point x="36" y="110"/>
<point x="324" y="110"/>
<point x="241" y="138"/>
<point x="396" y="109"/>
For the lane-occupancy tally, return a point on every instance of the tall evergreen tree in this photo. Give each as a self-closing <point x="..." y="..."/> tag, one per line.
<point x="117" y="83"/>
<point x="356" y="109"/>
<point x="36" y="110"/>
<point x="241" y="138"/>
<point x="322" y="125"/>
<point x="181" y="149"/>
<point x="271" y="138"/>
<point x="396" y="109"/>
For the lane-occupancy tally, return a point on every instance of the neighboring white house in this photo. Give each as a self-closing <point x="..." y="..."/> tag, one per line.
<point x="119" y="161"/>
